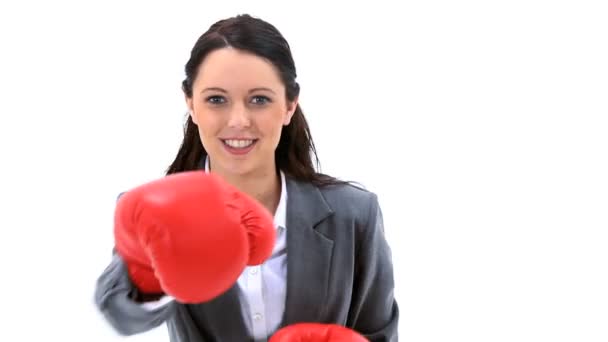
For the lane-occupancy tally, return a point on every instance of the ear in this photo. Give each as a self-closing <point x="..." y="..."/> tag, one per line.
<point x="190" y="109"/>
<point x="291" y="109"/>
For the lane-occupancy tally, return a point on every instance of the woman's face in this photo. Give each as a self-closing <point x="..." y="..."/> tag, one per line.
<point x="239" y="105"/>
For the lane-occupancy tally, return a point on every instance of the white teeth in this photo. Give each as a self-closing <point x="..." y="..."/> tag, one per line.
<point x="238" y="143"/>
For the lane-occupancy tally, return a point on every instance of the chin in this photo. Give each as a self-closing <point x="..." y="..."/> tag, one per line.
<point x="242" y="165"/>
<point x="239" y="167"/>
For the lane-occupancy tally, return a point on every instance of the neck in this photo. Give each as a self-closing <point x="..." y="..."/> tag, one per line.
<point x="264" y="186"/>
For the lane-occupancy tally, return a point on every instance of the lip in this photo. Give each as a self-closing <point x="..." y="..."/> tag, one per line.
<point x="238" y="138"/>
<point x="239" y="151"/>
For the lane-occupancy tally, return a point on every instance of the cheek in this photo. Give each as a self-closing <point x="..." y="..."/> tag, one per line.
<point x="272" y="130"/>
<point x="208" y="128"/>
<point x="207" y="120"/>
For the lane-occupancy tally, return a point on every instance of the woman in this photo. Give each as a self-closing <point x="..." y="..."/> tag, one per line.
<point x="331" y="263"/>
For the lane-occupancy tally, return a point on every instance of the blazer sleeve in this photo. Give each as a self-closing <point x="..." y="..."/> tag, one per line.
<point x="114" y="299"/>
<point x="374" y="311"/>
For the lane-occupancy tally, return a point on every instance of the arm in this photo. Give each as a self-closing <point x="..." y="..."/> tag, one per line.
<point x="374" y="311"/>
<point x="119" y="302"/>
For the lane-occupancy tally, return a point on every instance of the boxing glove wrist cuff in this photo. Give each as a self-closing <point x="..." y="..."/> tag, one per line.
<point x="141" y="297"/>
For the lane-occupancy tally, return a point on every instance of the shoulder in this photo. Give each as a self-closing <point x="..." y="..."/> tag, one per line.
<point x="352" y="203"/>
<point x="345" y="203"/>
<point x="348" y="196"/>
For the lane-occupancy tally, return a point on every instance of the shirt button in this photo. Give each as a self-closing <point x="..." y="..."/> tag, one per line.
<point x="253" y="271"/>
<point x="257" y="317"/>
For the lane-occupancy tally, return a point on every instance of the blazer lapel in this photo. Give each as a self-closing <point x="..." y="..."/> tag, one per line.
<point x="309" y="254"/>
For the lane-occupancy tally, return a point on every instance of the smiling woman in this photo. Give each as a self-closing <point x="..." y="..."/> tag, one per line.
<point x="243" y="186"/>
<point x="238" y="103"/>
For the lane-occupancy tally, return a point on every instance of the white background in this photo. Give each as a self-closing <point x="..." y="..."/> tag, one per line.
<point x="496" y="112"/>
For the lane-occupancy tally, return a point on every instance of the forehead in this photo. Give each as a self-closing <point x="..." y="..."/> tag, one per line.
<point x="229" y="67"/>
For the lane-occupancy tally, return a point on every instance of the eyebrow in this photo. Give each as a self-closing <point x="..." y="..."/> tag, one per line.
<point x="221" y="90"/>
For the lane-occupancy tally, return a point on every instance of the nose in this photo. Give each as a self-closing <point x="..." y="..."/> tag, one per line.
<point x="239" y="117"/>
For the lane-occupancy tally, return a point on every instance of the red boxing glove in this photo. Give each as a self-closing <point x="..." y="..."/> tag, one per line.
<point x="316" y="332"/>
<point x="190" y="235"/>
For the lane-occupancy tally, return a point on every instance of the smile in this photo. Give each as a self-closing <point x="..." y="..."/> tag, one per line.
<point x="240" y="143"/>
<point x="239" y="147"/>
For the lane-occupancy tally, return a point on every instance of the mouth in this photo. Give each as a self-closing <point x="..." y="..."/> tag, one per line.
<point x="239" y="143"/>
<point x="239" y="146"/>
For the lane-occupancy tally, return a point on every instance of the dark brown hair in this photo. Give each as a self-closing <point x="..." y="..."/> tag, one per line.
<point x="296" y="150"/>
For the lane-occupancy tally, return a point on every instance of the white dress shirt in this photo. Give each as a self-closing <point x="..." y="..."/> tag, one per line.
<point x="263" y="287"/>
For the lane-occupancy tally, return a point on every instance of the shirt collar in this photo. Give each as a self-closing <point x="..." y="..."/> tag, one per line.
<point x="280" y="216"/>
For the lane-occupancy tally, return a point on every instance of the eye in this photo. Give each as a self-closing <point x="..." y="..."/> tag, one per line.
<point x="215" y="100"/>
<point x="260" y="100"/>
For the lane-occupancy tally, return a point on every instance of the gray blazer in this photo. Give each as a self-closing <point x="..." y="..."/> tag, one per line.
<point x="339" y="270"/>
